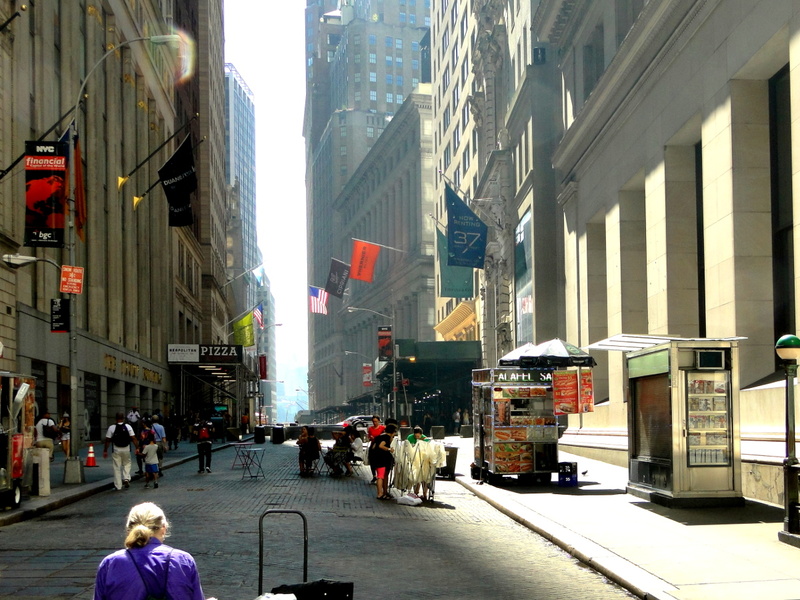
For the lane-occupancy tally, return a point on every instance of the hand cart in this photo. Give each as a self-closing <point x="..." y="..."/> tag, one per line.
<point x="323" y="588"/>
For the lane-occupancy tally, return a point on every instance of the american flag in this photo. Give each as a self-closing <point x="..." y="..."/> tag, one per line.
<point x="258" y="314"/>
<point x="318" y="300"/>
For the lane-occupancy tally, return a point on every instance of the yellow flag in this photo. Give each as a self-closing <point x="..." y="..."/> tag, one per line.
<point x="243" y="333"/>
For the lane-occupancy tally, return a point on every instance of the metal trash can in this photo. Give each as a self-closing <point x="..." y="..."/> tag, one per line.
<point x="259" y="434"/>
<point x="449" y="470"/>
<point x="277" y="436"/>
<point x="567" y="474"/>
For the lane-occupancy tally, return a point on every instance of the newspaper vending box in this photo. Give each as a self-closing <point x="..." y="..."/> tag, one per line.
<point x="515" y="428"/>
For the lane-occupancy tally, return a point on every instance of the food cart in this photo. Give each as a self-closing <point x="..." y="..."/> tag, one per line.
<point x="516" y="432"/>
<point x="515" y="408"/>
<point x="16" y="433"/>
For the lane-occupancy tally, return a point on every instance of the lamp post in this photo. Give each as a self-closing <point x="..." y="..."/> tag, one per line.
<point x="394" y="351"/>
<point x="788" y="349"/>
<point x="72" y="471"/>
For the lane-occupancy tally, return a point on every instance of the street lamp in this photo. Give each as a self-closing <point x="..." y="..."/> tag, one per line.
<point x="788" y="349"/>
<point x="391" y="318"/>
<point x="72" y="471"/>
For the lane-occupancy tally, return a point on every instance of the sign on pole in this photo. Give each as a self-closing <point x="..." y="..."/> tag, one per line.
<point x="71" y="280"/>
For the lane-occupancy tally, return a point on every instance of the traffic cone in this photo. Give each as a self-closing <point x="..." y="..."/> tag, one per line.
<point x="90" y="461"/>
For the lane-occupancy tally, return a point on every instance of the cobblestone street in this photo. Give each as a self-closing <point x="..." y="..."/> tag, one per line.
<point x="458" y="547"/>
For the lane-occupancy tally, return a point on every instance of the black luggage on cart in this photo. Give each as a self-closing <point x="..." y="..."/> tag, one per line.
<point x="308" y="590"/>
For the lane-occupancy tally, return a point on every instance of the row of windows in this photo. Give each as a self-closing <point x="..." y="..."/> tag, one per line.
<point x="373" y="96"/>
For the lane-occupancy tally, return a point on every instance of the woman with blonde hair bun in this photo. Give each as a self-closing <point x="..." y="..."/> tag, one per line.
<point x="147" y="567"/>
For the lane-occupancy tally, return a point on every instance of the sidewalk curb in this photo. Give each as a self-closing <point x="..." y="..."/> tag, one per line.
<point x="70" y="495"/>
<point x="633" y="578"/>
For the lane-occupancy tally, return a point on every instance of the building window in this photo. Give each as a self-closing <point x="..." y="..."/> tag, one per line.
<point x="399" y="80"/>
<point x="415" y="46"/>
<point x="373" y="77"/>
<point x="357" y="95"/>
<point x="373" y="58"/>
<point x="398" y="99"/>
<point x="398" y="62"/>
<point x="373" y="95"/>
<point x="465" y="156"/>
<point x="342" y="150"/>
<point x="389" y="42"/>
<point x="342" y="131"/>
<point x="389" y="98"/>
<point x="412" y="19"/>
<point x="370" y="132"/>
<point x="389" y="62"/>
<point x="402" y="18"/>
<point x="372" y="40"/>
<point x="357" y="58"/>
<point x="389" y="79"/>
<point x="398" y="43"/>
<point x="414" y="64"/>
<point x="357" y="76"/>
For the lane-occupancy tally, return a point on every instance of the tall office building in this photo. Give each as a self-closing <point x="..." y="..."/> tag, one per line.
<point x="362" y="60"/>
<point x="240" y="173"/>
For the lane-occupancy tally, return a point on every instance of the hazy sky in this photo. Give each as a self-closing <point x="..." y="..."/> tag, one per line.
<point x="264" y="41"/>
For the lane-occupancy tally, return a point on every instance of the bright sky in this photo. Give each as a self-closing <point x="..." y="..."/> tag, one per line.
<point x="265" y="42"/>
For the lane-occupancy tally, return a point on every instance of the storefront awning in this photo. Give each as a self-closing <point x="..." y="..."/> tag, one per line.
<point x="626" y="342"/>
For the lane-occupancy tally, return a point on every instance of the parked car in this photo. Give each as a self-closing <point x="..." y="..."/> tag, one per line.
<point x="361" y="422"/>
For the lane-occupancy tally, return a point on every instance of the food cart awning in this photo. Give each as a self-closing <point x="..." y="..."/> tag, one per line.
<point x="549" y="354"/>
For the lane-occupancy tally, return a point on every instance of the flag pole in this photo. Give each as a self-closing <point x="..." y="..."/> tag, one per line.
<point x="381" y="245"/>
<point x="122" y="180"/>
<point x="6" y="171"/>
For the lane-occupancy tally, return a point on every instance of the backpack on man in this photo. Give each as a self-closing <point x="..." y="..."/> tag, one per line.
<point x="204" y="434"/>
<point x="121" y="437"/>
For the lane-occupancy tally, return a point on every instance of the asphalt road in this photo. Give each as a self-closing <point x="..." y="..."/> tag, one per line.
<point x="459" y="547"/>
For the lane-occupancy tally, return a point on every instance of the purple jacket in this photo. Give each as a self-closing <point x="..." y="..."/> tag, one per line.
<point x="117" y="578"/>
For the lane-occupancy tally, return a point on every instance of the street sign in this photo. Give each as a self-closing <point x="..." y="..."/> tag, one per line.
<point x="59" y="315"/>
<point x="71" y="280"/>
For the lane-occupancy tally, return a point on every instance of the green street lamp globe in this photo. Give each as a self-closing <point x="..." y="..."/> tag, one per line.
<point x="788" y="347"/>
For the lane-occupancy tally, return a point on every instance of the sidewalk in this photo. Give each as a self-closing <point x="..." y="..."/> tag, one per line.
<point x="655" y="552"/>
<point x="97" y="479"/>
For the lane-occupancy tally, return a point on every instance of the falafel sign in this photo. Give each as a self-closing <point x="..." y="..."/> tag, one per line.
<point x="45" y="193"/>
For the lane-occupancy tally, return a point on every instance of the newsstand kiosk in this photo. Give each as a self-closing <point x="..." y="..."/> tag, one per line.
<point x="683" y="423"/>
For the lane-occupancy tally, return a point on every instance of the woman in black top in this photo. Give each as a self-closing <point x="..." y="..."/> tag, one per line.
<point x="384" y="460"/>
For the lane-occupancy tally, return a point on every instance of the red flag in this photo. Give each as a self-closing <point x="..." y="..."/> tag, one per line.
<point x="365" y="255"/>
<point x="80" y="193"/>
<point x="262" y="366"/>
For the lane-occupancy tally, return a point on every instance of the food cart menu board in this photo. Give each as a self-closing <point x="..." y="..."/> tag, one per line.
<point x="708" y="419"/>
<point x="520" y="415"/>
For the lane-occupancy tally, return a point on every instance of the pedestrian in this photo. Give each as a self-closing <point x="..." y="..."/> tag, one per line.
<point x="310" y="449"/>
<point x="245" y="423"/>
<point x="384" y="460"/>
<point x="465" y="417"/>
<point x="64" y="426"/>
<point x="161" y="440"/>
<point x="427" y="421"/>
<point x="147" y="567"/>
<point x="149" y="452"/>
<point x="134" y="419"/>
<point x="120" y="435"/>
<point x="372" y="433"/>
<point x="46" y="431"/>
<point x="456" y="422"/>
<point x="144" y="433"/>
<point x="205" y="431"/>
<point x="173" y="431"/>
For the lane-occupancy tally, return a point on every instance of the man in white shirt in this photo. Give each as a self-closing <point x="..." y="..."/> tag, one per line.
<point x="42" y="441"/>
<point x="135" y="419"/>
<point x="120" y="435"/>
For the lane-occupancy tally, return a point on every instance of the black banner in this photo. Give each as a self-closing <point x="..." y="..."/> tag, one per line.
<point x="45" y="193"/>
<point x="179" y="180"/>
<point x="59" y="315"/>
<point x="337" y="278"/>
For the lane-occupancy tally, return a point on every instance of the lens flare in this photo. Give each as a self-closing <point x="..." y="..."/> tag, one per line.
<point x="187" y="56"/>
